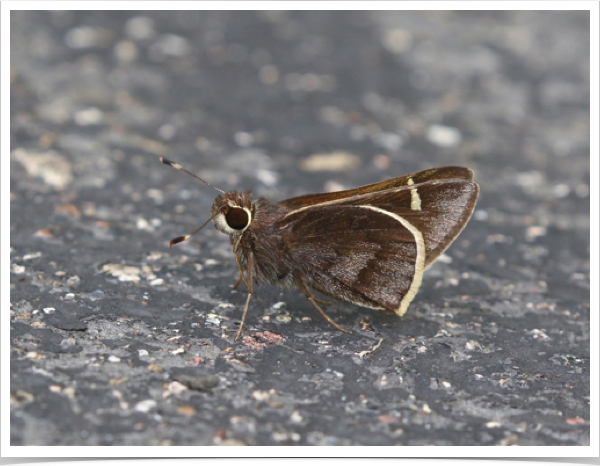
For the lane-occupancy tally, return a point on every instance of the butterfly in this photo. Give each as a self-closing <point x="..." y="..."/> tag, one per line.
<point x="368" y="246"/>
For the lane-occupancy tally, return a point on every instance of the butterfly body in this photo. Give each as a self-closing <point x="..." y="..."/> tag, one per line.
<point x="368" y="246"/>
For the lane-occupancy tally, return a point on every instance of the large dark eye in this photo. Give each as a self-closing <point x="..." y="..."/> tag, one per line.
<point x="237" y="218"/>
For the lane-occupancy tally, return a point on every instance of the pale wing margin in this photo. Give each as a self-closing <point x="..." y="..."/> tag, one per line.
<point x="419" y="262"/>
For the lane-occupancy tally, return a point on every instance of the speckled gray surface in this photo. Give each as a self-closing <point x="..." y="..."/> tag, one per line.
<point x="118" y="340"/>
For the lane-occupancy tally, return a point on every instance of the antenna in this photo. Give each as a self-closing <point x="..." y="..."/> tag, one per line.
<point x="179" y="167"/>
<point x="179" y="239"/>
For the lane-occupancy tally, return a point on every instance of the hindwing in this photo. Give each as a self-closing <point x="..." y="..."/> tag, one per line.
<point x="359" y="254"/>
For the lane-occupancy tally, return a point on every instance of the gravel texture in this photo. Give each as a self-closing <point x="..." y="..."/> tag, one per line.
<point x="118" y="340"/>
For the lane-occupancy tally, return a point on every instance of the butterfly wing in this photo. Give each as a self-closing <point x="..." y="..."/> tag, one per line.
<point x="358" y="254"/>
<point x="371" y="249"/>
<point x="439" y="173"/>
<point x="439" y="209"/>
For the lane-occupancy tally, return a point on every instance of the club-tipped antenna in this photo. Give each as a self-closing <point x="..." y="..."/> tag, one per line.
<point x="179" y="167"/>
<point x="180" y="239"/>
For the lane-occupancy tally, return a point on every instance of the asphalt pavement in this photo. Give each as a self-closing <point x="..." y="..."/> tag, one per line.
<point x="117" y="339"/>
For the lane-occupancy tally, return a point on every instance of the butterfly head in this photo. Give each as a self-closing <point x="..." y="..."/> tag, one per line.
<point x="232" y="212"/>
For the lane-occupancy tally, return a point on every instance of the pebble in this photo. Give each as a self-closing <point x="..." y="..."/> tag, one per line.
<point x="53" y="168"/>
<point x="89" y="116"/>
<point x="73" y="281"/>
<point x="140" y="28"/>
<point x="175" y="388"/>
<point x="186" y="410"/>
<point x="145" y="406"/>
<point x="335" y="161"/>
<point x="444" y="136"/>
<point x="88" y="37"/>
<point x="200" y="382"/>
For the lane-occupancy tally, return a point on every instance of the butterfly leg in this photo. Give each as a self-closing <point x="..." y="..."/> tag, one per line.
<point x="323" y="302"/>
<point x="250" y="267"/>
<point x="239" y="280"/>
<point x="239" y="332"/>
<point x="313" y="300"/>
<point x="248" y="283"/>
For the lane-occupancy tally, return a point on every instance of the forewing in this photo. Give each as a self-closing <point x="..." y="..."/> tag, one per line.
<point x="439" y="173"/>
<point x="361" y="254"/>
<point x="439" y="209"/>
